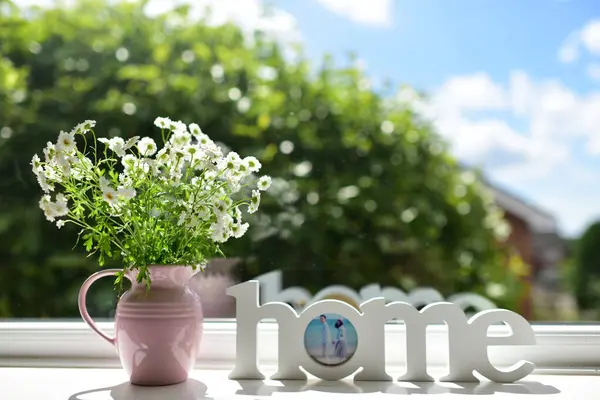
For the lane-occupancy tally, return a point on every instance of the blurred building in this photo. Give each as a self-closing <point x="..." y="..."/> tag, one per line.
<point x="535" y="236"/>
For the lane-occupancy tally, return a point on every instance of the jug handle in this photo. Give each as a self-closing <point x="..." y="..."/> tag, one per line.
<point x="82" y="297"/>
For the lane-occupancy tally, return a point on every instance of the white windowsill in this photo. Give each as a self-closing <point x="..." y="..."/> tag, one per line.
<point x="74" y="344"/>
<point x="62" y="360"/>
<point x="111" y="384"/>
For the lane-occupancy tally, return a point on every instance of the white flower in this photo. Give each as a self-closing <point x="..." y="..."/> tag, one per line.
<point x="252" y="163"/>
<point x="104" y="184"/>
<point x="145" y="164"/>
<point x="51" y="172"/>
<point x="192" y="153"/>
<point x="127" y="193"/>
<point x="63" y="159"/>
<point x="49" y="152"/>
<point x="125" y="180"/>
<point x="203" y="139"/>
<point x="54" y="209"/>
<point x="238" y="229"/>
<point x="202" y="212"/>
<point x="195" y="129"/>
<point x="234" y="185"/>
<point x="178" y="126"/>
<point x="231" y="162"/>
<point x="116" y="144"/>
<point x="66" y="170"/>
<point x="36" y="165"/>
<point x="129" y="162"/>
<point x="174" y="177"/>
<point x="131" y="142"/>
<point x="66" y="142"/>
<point x="110" y="196"/>
<point x="85" y="126"/>
<point x="226" y="221"/>
<point x="147" y="147"/>
<point x="60" y="223"/>
<point x="81" y="167"/>
<point x="264" y="183"/>
<point x="213" y="153"/>
<point x="150" y="165"/>
<point x="43" y="182"/>
<point x="162" y="123"/>
<point x="182" y="218"/>
<point x="233" y="157"/>
<point x="77" y="174"/>
<point x="177" y="158"/>
<point x="219" y="233"/>
<point x="242" y="170"/>
<point x="210" y="176"/>
<point x="220" y="207"/>
<point x="46" y="205"/>
<point x="162" y="157"/>
<point x="216" y="228"/>
<point x="193" y="222"/>
<point x="64" y="162"/>
<point x="180" y="139"/>
<point x="61" y="199"/>
<point x="254" y="202"/>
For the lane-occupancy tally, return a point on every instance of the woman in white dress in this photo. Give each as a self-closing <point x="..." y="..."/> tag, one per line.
<point x="340" y="350"/>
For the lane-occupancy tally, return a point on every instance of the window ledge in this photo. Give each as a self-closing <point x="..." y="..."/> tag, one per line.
<point x="86" y="383"/>
<point x="74" y="344"/>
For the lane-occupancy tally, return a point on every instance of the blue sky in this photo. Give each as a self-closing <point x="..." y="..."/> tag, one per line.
<point x="514" y="85"/>
<point x="429" y="41"/>
<point x="525" y="75"/>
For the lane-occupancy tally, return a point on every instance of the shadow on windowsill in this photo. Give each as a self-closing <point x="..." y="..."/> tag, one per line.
<point x="259" y="388"/>
<point x="188" y="390"/>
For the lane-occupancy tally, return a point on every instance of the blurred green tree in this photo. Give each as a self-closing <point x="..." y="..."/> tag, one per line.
<point x="368" y="191"/>
<point x="586" y="274"/>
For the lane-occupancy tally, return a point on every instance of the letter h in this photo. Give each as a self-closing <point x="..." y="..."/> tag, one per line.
<point x="249" y="313"/>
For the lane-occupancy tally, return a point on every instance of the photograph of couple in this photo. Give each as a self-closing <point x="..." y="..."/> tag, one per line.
<point x="330" y="339"/>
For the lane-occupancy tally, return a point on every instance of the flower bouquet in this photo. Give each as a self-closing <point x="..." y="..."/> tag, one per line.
<point x="164" y="212"/>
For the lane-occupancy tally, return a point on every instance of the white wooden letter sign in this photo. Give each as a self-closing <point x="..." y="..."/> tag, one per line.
<point x="331" y="339"/>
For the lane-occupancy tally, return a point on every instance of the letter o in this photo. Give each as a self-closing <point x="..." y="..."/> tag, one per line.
<point x="334" y="372"/>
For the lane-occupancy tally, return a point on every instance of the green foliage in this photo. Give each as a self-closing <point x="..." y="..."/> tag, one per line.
<point x="369" y="191"/>
<point x="568" y="267"/>
<point x="587" y="268"/>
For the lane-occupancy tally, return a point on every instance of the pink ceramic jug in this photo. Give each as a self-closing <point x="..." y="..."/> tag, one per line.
<point x="157" y="331"/>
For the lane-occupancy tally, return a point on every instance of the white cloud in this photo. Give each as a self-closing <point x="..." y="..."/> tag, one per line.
<point x="45" y="3"/>
<point x="523" y="133"/>
<point x="250" y="15"/>
<point x="525" y="128"/>
<point x="590" y="36"/>
<point x="367" y="12"/>
<point x="571" y="195"/>
<point x="587" y="37"/>
<point x="593" y="71"/>
<point x="569" y="50"/>
<point x="471" y="92"/>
